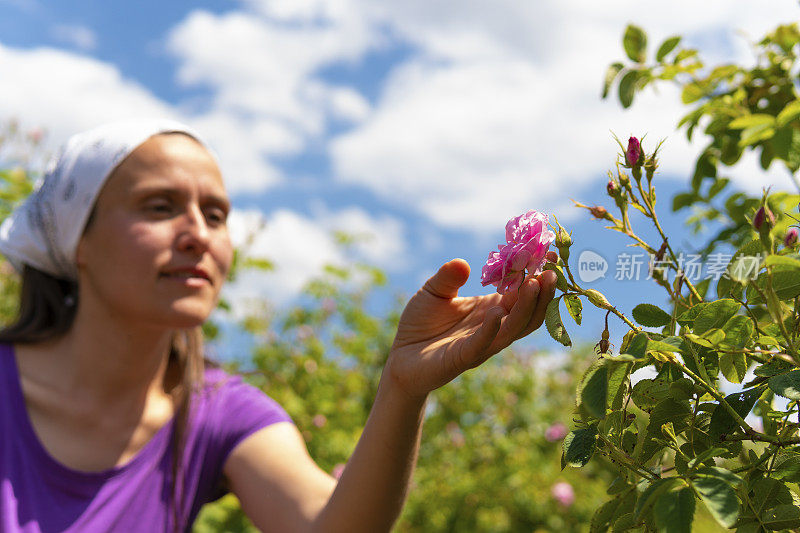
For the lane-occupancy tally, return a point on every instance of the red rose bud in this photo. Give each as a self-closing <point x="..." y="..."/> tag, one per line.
<point x="612" y="188"/>
<point x="763" y="214"/>
<point x="599" y="211"/>
<point x="791" y="237"/>
<point x="634" y="152"/>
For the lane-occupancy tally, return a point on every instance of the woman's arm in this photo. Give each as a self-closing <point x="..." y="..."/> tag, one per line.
<point x="439" y="337"/>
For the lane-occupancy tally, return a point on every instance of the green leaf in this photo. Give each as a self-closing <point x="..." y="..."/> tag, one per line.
<point x="769" y="492"/>
<point x="648" y="392"/>
<point x="692" y="92"/>
<point x="602" y="516"/>
<point x="667" y="46"/>
<point x="720" y="499"/>
<point x="574" y="306"/>
<point x="784" y="516"/>
<point x="258" y="264"/>
<point x="593" y="389"/>
<point x="745" y="262"/>
<point x="773" y="367"/>
<point x="674" y="511"/>
<point x="786" y="385"/>
<point x="579" y="446"/>
<point x="638" y="346"/>
<point x="684" y="199"/>
<point x="652" y="493"/>
<point x="783" y="261"/>
<point x="749" y="121"/>
<point x="715" y="315"/>
<point x="612" y="72"/>
<point x="682" y="389"/>
<point x="756" y="134"/>
<point x="617" y="376"/>
<point x="786" y="284"/>
<point x="561" y="281"/>
<point x="742" y="402"/>
<point x="651" y="316"/>
<point x="555" y="327"/>
<point x="717" y="187"/>
<point x="787" y="466"/>
<point x="634" y="41"/>
<point x="625" y="522"/>
<point x="666" y="411"/>
<point x="688" y="317"/>
<point x="710" y="339"/>
<point x="738" y="331"/>
<point x="733" y="366"/>
<point x="721" y="473"/>
<point x="627" y="88"/>
<point x="667" y="344"/>
<point x="708" y="454"/>
<point x="788" y="113"/>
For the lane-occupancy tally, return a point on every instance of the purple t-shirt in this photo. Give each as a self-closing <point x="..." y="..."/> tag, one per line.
<point x="39" y="494"/>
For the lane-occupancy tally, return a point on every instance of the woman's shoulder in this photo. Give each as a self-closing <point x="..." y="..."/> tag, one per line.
<point x="229" y="392"/>
<point x="234" y="409"/>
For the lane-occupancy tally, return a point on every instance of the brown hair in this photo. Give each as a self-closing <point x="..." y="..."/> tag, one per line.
<point x="47" y="310"/>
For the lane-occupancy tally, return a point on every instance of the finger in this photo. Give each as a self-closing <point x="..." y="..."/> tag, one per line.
<point x="509" y="299"/>
<point x="547" y="281"/>
<point x="517" y="320"/>
<point x="476" y="348"/>
<point x="450" y="277"/>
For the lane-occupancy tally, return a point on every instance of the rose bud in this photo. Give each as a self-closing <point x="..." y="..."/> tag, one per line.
<point x="563" y="239"/>
<point x="634" y="152"/>
<point x="763" y="214"/>
<point x="612" y="188"/>
<point x="791" y="237"/>
<point x="599" y="211"/>
<point x="563" y="242"/>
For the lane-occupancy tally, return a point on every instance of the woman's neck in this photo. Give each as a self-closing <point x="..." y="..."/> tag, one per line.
<point x="105" y="362"/>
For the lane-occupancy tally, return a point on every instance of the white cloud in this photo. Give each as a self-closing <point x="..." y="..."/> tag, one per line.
<point x="500" y="111"/>
<point x="66" y="93"/>
<point x="300" y="247"/>
<point x="81" y="37"/>
<point x="267" y="69"/>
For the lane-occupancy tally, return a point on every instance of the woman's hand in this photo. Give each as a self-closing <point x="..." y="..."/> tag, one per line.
<point x="441" y="335"/>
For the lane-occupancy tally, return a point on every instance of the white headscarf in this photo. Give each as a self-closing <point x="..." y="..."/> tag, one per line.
<point x="44" y="231"/>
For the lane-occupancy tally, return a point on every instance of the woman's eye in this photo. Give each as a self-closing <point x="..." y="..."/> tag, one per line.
<point x="159" y="207"/>
<point x="217" y="216"/>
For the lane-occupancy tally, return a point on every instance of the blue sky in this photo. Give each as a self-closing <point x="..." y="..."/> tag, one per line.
<point x="425" y="124"/>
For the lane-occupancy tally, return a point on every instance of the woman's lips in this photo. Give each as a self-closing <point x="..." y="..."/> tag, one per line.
<point x="189" y="276"/>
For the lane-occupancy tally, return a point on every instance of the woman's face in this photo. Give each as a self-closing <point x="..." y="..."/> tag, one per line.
<point x="157" y="250"/>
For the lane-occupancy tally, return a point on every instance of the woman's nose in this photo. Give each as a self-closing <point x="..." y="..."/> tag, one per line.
<point x="194" y="232"/>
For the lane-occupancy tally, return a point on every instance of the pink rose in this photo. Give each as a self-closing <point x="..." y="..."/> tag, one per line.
<point x="528" y="237"/>
<point x="556" y="432"/>
<point x="562" y="492"/>
<point x="319" y="421"/>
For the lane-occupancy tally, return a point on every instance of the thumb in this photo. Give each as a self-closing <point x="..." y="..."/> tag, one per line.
<point x="450" y="277"/>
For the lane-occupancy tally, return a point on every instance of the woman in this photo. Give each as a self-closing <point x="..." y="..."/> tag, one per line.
<point x="111" y="419"/>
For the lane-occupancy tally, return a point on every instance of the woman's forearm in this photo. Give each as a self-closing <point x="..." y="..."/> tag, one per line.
<point x="373" y="487"/>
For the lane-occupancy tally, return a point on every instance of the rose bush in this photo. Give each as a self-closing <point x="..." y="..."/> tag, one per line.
<point x="677" y="440"/>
